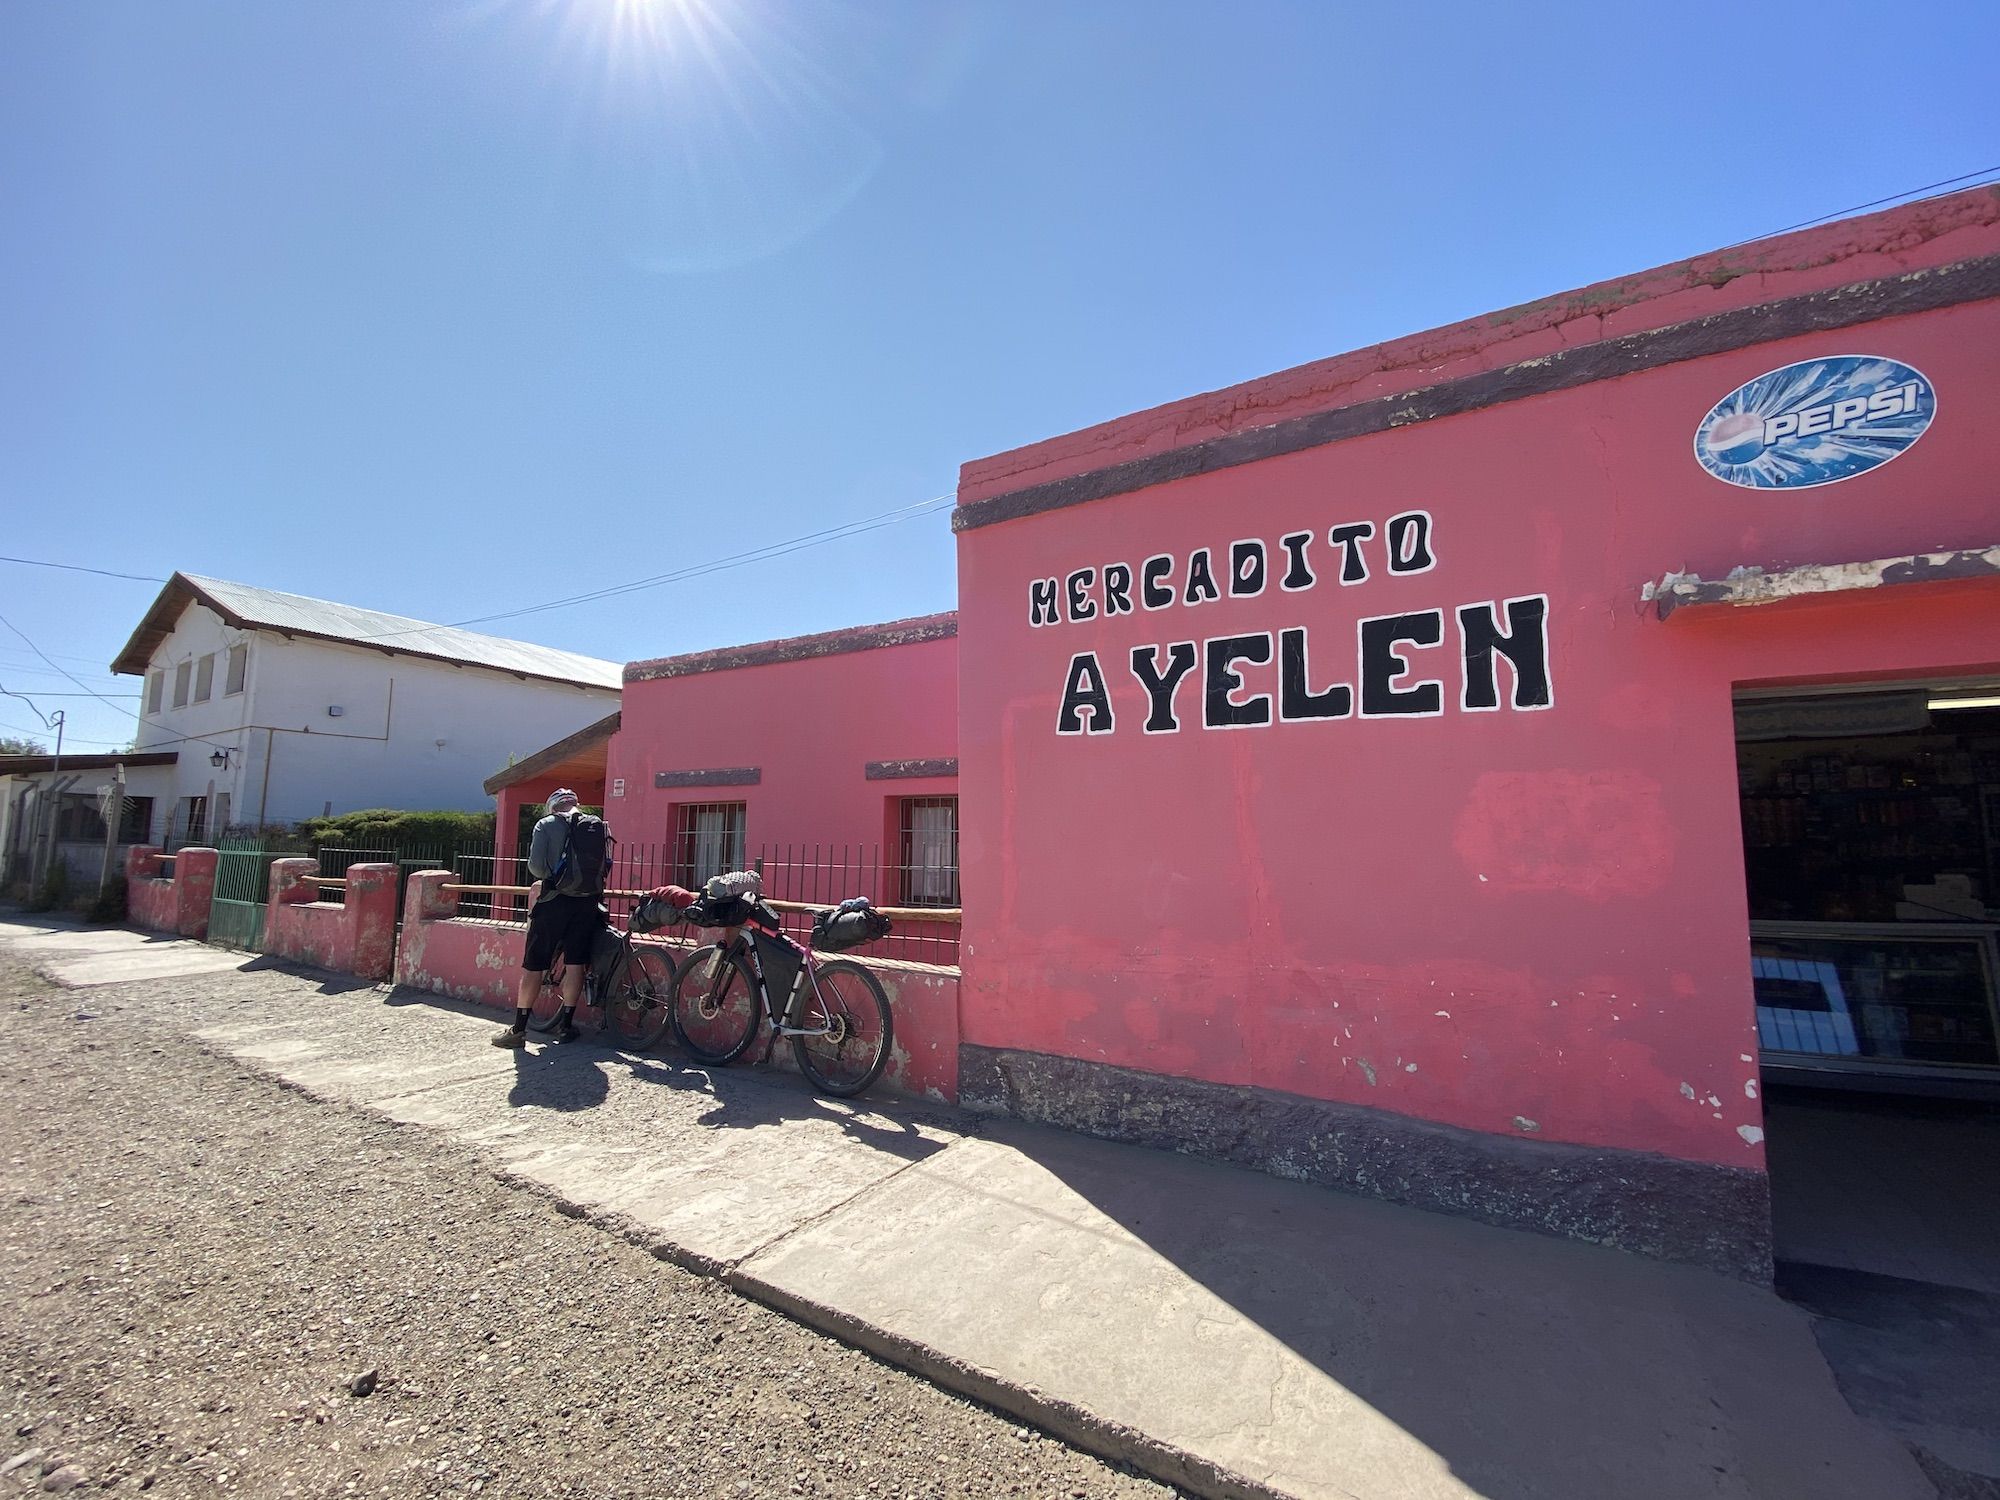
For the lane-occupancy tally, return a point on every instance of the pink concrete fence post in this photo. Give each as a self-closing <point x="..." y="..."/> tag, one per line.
<point x="177" y="903"/>
<point x="477" y="961"/>
<point x="356" y="937"/>
<point x="194" y="891"/>
<point x="370" y="924"/>
<point x="285" y="881"/>
<point x="149" y="900"/>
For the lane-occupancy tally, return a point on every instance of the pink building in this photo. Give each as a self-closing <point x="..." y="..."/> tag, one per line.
<point x="1357" y="762"/>
<point x="832" y="757"/>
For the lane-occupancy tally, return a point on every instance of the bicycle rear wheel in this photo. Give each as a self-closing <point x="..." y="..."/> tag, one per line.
<point x="714" y="1005"/>
<point x="847" y="1015"/>
<point x="636" y="1013"/>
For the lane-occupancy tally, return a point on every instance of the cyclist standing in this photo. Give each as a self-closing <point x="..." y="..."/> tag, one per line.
<point x="569" y="854"/>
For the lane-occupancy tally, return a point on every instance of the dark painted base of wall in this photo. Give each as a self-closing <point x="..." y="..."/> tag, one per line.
<point x="1715" y="1217"/>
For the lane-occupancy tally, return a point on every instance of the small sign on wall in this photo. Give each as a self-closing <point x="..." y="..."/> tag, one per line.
<point x="618" y="786"/>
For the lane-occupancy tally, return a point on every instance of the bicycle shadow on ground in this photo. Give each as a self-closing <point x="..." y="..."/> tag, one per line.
<point x="747" y="1100"/>
<point x="743" y="1096"/>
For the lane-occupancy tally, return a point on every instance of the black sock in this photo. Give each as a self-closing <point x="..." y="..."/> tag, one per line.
<point x="564" y="1014"/>
<point x="520" y="1019"/>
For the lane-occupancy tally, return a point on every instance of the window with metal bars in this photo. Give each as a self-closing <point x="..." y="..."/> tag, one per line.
<point x="708" y="840"/>
<point x="929" y="845"/>
<point x="80" y="819"/>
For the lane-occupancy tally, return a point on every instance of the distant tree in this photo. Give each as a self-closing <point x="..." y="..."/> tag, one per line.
<point x="10" y="745"/>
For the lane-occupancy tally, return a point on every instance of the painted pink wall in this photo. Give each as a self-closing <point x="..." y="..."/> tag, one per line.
<point x="811" y="726"/>
<point x="1518" y="922"/>
<point x="466" y="960"/>
<point x="356" y="936"/>
<point x="178" y="905"/>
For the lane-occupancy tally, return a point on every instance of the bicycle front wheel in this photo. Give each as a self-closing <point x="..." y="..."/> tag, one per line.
<point x="635" y="1012"/>
<point x="848" y="1030"/>
<point x="714" y="1005"/>
<point x="548" y="1000"/>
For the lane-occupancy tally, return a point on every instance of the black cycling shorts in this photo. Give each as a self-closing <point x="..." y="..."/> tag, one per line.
<point x="562" y="924"/>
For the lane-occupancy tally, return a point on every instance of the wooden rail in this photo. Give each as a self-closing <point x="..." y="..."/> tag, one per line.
<point x="893" y="913"/>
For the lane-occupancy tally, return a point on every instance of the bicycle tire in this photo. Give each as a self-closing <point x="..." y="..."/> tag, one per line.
<point x="715" y="1007"/>
<point x="548" y="1000"/>
<point x="636" y="1012"/>
<point x="847" y="997"/>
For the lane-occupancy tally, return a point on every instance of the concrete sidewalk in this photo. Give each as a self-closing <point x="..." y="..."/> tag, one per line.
<point x="1223" y="1330"/>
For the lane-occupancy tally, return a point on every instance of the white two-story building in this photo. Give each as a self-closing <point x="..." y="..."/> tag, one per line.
<point x="283" y="707"/>
<point x="262" y="707"/>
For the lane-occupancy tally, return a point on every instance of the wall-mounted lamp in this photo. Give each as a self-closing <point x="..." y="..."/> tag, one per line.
<point x="220" y="760"/>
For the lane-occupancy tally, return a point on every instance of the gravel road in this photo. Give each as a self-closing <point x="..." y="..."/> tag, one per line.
<point x="215" y="1284"/>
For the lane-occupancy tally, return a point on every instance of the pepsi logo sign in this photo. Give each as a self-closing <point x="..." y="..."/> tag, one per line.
<point x="1815" y="422"/>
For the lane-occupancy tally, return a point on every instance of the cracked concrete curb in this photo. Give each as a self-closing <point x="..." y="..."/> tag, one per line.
<point x="1076" y="1425"/>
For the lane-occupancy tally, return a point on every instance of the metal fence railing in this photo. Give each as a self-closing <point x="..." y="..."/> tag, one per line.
<point x="798" y="879"/>
<point x="821" y="875"/>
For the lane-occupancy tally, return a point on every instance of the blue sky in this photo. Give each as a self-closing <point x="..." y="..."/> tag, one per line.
<point x="452" y="308"/>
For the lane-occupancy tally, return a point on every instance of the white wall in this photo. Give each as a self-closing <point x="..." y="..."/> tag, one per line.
<point x="411" y="733"/>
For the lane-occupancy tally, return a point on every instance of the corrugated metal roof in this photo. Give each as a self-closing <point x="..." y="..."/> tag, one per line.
<point x="323" y="619"/>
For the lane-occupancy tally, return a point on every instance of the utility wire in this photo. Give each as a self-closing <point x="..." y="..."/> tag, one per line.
<point x="63" y="670"/>
<point x="100" y="697"/>
<point x="33" y="707"/>
<point x="36" y="562"/>
<point x="679" y="575"/>
<point x="735" y="560"/>
<point x="1841" y="213"/>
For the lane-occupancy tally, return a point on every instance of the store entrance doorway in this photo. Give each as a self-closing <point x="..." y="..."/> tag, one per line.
<point x="1871" y="836"/>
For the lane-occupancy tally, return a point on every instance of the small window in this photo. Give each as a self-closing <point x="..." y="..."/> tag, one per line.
<point x="239" y="662"/>
<point x="204" y="679"/>
<point x="183" y="675"/>
<point x="136" y="825"/>
<point x="929" y="851"/>
<point x="708" y="840"/>
<point x="156" y="688"/>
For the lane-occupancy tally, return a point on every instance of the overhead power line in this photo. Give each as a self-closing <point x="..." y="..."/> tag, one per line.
<point x="1968" y="179"/>
<point x="716" y="565"/>
<point x="100" y="697"/>
<point x="36" y="562"/>
<point x="88" y="691"/>
<point x="764" y="553"/>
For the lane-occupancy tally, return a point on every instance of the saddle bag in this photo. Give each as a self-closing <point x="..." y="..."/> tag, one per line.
<point x="837" y="929"/>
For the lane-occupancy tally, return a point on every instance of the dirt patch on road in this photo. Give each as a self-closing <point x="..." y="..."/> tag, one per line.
<point x="218" y="1284"/>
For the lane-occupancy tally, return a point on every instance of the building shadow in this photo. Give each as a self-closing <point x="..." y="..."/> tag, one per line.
<point x="326" y="981"/>
<point x="1532" y="1367"/>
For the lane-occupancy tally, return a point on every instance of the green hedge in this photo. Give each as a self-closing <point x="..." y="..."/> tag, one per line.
<point x="386" y="828"/>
